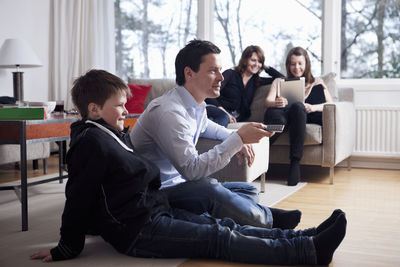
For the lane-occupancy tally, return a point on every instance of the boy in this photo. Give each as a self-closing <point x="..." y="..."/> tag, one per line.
<point x="115" y="192"/>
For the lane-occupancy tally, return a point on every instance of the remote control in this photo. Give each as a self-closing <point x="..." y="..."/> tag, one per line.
<point x="275" y="128"/>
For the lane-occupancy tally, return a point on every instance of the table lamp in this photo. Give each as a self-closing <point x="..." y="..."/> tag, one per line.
<point x="17" y="53"/>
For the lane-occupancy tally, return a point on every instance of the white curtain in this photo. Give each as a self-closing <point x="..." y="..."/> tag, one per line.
<point x="82" y="38"/>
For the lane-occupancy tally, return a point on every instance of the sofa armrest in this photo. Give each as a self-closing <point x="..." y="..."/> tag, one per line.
<point x="338" y="135"/>
<point x="235" y="172"/>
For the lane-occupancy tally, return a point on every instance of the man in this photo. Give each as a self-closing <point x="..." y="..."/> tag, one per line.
<point x="167" y="133"/>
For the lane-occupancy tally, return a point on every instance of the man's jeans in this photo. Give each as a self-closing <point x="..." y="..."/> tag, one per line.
<point x="232" y="200"/>
<point x="187" y="235"/>
<point x="217" y="115"/>
<point x="243" y="189"/>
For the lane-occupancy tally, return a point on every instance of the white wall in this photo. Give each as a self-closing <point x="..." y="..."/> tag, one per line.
<point x="29" y="20"/>
<point x="374" y="92"/>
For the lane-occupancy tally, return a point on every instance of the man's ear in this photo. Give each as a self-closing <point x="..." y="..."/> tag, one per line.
<point x="93" y="110"/>
<point x="188" y="72"/>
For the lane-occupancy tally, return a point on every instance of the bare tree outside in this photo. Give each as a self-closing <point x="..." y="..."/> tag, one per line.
<point x="165" y="38"/>
<point x="223" y="12"/>
<point x="370" y="39"/>
<point x="187" y="24"/>
<point x="149" y="33"/>
<point x="269" y="25"/>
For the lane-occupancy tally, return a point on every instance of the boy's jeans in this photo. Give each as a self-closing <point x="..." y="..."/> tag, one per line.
<point x="232" y="200"/>
<point x="187" y="235"/>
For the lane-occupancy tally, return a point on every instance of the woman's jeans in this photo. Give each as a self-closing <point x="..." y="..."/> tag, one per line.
<point x="237" y="201"/>
<point x="186" y="235"/>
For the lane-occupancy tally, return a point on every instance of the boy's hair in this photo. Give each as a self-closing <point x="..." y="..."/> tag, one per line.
<point x="96" y="86"/>
<point x="247" y="53"/>
<point x="299" y="51"/>
<point x="191" y="56"/>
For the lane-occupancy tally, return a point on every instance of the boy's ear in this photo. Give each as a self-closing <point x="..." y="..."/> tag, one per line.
<point x="93" y="110"/>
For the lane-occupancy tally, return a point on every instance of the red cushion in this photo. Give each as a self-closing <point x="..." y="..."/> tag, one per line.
<point x="139" y="93"/>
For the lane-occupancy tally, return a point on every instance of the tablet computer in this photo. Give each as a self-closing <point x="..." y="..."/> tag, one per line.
<point x="292" y="88"/>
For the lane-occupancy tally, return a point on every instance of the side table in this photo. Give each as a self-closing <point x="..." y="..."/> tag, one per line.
<point x="23" y="132"/>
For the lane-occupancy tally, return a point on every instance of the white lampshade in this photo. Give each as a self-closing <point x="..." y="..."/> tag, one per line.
<point x="18" y="53"/>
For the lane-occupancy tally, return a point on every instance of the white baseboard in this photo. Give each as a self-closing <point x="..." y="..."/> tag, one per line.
<point x="391" y="163"/>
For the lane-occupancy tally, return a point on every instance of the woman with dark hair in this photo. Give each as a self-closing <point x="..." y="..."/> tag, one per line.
<point x="294" y="114"/>
<point x="238" y="87"/>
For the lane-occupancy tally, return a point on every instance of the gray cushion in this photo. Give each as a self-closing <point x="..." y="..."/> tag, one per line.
<point x="313" y="136"/>
<point x="258" y="107"/>
<point x="329" y="80"/>
<point x="158" y="87"/>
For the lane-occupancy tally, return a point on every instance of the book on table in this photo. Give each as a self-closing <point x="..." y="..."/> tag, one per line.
<point x="22" y="113"/>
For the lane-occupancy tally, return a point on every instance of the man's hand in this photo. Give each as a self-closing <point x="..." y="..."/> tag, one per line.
<point x="248" y="152"/>
<point x="280" y="102"/>
<point x="43" y="255"/>
<point x="252" y="132"/>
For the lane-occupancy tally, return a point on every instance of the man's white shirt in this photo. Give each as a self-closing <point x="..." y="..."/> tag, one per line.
<point x="167" y="133"/>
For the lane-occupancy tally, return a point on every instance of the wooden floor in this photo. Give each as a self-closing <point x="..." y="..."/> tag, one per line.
<point x="370" y="198"/>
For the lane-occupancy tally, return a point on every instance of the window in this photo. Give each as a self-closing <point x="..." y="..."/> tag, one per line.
<point x="370" y="41"/>
<point x="149" y="34"/>
<point x="275" y="26"/>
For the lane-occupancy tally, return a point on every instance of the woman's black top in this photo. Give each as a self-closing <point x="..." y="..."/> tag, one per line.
<point x="237" y="98"/>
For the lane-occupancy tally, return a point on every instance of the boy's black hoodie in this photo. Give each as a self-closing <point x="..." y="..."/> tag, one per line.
<point x="110" y="190"/>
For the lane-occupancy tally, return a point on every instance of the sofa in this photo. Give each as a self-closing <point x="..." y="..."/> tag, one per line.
<point x="323" y="146"/>
<point x="11" y="153"/>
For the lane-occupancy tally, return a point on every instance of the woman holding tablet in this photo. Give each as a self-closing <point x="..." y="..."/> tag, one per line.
<point x="295" y="114"/>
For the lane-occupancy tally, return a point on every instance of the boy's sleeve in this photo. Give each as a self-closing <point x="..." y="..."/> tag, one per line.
<point x="86" y="170"/>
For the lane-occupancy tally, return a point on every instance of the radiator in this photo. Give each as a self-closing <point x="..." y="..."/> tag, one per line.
<point x="377" y="131"/>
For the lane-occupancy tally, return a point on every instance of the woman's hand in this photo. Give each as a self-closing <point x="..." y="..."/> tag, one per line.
<point x="231" y="119"/>
<point x="280" y="102"/>
<point x="309" y="108"/>
<point x="43" y="255"/>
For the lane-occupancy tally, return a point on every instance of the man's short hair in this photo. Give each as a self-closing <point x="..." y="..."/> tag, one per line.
<point x="96" y="86"/>
<point x="191" y="56"/>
